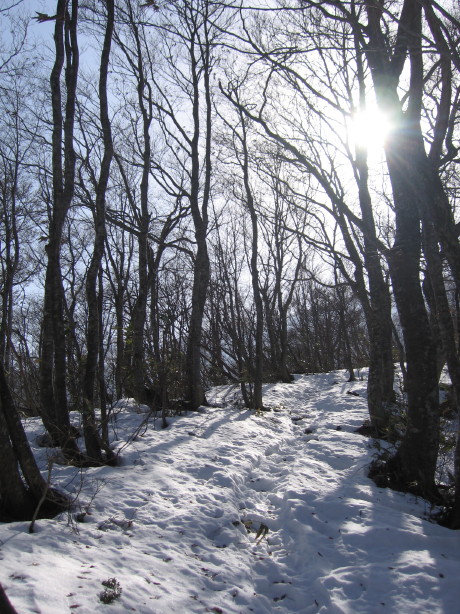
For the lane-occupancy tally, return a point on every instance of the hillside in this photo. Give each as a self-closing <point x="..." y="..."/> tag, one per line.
<point x="230" y="512"/>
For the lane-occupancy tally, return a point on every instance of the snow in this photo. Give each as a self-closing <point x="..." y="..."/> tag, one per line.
<point x="230" y="511"/>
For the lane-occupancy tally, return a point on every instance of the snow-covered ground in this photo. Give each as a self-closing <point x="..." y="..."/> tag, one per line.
<point x="230" y="512"/>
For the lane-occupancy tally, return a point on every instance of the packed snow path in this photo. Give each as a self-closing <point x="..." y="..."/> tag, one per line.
<point x="231" y="512"/>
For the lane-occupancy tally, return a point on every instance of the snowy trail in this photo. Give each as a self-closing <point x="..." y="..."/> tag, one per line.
<point x="230" y="512"/>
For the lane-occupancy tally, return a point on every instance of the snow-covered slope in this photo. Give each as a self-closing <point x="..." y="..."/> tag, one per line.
<point x="231" y="512"/>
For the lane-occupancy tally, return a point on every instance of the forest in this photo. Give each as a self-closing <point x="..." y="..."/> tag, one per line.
<point x="201" y="192"/>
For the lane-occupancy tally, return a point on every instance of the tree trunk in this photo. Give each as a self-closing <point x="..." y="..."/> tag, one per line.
<point x="257" y="400"/>
<point x="376" y="304"/>
<point x="101" y="375"/>
<point x="11" y="248"/>
<point x="380" y="382"/>
<point x="415" y="461"/>
<point x="201" y="272"/>
<point x="137" y="57"/>
<point x="438" y="301"/>
<point x="118" y="287"/>
<point x="21" y="483"/>
<point x="5" y="604"/>
<point x="92" y="438"/>
<point x="201" y="275"/>
<point x="16" y="501"/>
<point x="455" y="520"/>
<point x="53" y="370"/>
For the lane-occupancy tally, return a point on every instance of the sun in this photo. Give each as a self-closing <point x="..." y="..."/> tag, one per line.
<point x="369" y="129"/>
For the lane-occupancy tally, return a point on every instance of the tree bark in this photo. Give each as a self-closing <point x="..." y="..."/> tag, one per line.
<point x="201" y="275"/>
<point x="415" y="461"/>
<point x="20" y="490"/>
<point x="380" y="383"/>
<point x="257" y="400"/>
<point x="16" y="502"/>
<point x="5" y="604"/>
<point x="53" y="371"/>
<point x="92" y="438"/>
<point x="201" y="272"/>
<point x="135" y="380"/>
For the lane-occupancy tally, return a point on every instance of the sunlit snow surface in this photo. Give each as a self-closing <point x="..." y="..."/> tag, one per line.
<point x="177" y="522"/>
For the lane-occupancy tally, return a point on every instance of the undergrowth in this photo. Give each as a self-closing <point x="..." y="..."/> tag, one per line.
<point x="384" y="473"/>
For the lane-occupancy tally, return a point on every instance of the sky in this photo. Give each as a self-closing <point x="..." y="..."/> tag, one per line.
<point x="228" y="511"/>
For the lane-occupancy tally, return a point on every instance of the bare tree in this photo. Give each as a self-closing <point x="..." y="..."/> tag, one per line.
<point x="139" y="61"/>
<point x="241" y="151"/>
<point x="93" y="339"/>
<point x="53" y="350"/>
<point x="187" y="39"/>
<point x="309" y="77"/>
